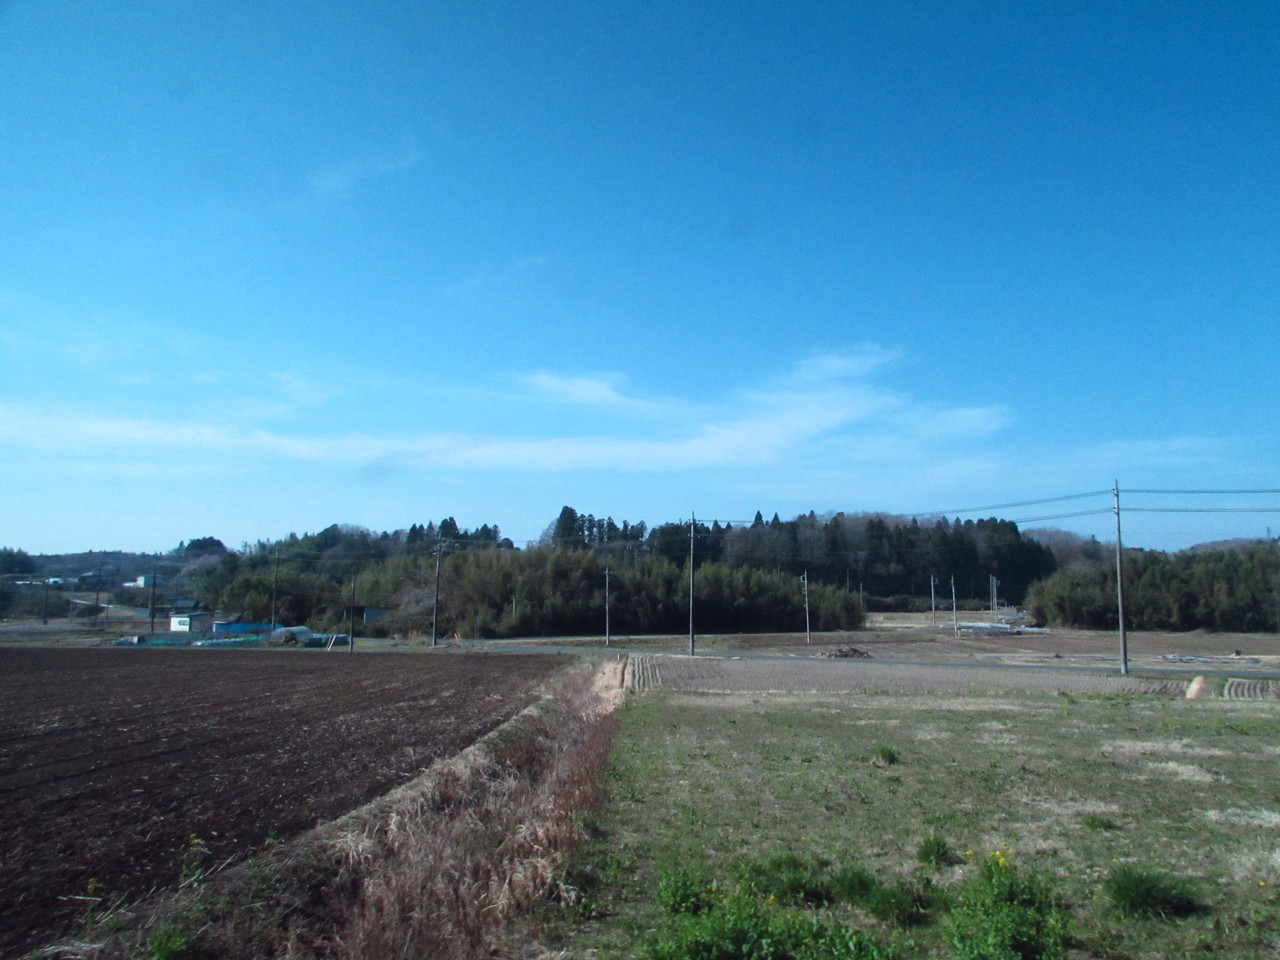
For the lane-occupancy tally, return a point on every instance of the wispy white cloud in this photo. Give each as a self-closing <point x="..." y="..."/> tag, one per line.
<point x="601" y="393"/>
<point x="343" y="176"/>
<point x="823" y="411"/>
<point x="509" y="281"/>
<point x="583" y="390"/>
<point x="854" y="363"/>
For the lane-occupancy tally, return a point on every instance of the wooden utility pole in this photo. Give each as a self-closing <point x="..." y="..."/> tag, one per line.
<point x="804" y="578"/>
<point x="351" y="620"/>
<point x="691" y="644"/>
<point x="933" y="601"/>
<point x="154" y="565"/>
<point x="955" y="617"/>
<point x="435" y="606"/>
<point x="1124" y="637"/>
<point x="275" y="577"/>
<point x="606" y="606"/>
<point x="97" y="592"/>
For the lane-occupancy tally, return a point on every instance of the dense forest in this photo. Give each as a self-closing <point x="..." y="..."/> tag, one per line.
<point x="1227" y="590"/>
<point x="748" y="577"/>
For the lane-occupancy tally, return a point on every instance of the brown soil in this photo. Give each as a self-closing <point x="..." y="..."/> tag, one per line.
<point x="128" y="767"/>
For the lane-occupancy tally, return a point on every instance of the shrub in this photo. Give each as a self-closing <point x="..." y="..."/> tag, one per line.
<point x="683" y="891"/>
<point x="853" y="883"/>
<point x="169" y="943"/>
<point x="1096" y="821"/>
<point x="934" y="851"/>
<point x="885" y="756"/>
<point x="1138" y="892"/>
<point x="1005" y="914"/>
<point x="789" y="878"/>
<point x="743" y="929"/>
<point x="900" y="904"/>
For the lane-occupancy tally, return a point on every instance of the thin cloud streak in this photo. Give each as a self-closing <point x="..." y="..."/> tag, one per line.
<point x="342" y="177"/>
<point x="818" y="414"/>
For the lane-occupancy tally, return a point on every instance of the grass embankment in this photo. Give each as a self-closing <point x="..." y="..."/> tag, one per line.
<point x="771" y="826"/>
<point x="448" y="866"/>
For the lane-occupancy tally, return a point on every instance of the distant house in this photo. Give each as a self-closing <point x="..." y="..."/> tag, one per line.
<point x="193" y="621"/>
<point x="94" y="579"/>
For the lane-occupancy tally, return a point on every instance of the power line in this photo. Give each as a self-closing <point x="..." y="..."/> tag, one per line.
<point x="1064" y="516"/>
<point x="1196" y="492"/>
<point x="1202" y="509"/>
<point x="1006" y="506"/>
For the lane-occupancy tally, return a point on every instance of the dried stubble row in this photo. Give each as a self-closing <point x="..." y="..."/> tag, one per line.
<point x="717" y="675"/>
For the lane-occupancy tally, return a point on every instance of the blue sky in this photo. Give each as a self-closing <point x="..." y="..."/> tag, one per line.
<point x="266" y="267"/>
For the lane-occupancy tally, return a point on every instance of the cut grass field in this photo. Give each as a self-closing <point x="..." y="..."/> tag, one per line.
<point x="1147" y="824"/>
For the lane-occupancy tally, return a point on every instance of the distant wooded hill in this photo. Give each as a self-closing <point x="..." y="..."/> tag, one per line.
<point x="748" y="577"/>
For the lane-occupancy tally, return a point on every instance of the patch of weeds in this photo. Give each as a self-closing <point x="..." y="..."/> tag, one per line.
<point x="1235" y="726"/>
<point x="1140" y="892"/>
<point x="1005" y="914"/>
<point x="789" y="878"/>
<point x="885" y="756"/>
<point x="900" y="904"/>
<point x="195" y="858"/>
<point x="98" y="906"/>
<point x="169" y="943"/>
<point x="935" y="851"/>
<point x="853" y="883"/>
<point x="682" y="890"/>
<point x="1096" y="821"/>
<point x="742" y="929"/>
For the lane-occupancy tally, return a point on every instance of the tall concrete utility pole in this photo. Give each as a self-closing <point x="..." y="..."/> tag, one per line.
<point x="692" y="646"/>
<point x="1124" y="637"/>
<point x="804" y="578"/>
<point x="435" y="604"/>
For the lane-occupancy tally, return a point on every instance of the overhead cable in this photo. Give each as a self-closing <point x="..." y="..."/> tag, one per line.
<point x="1063" y="516"/>
<point x="1005" y="506"/>
<point x="1202" y="510"/>
<point x="1193" y="492"/>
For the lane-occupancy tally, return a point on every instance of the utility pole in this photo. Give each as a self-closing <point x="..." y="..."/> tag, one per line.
<point x="154" y="564"/>
<point x="275" y="577"/>
<point x="1124" y="637"/>
<point x="955" y="617"/>
<point x="351" y="618"/>
<point x="44" y="605"/>
<point x="692" y="647"/>
<point x="804" y="578"/>
<point x="97" y="592"/>
<point x="606" y="606"/>
<point x="435" y="606"/>
<point x="933" y="600"/>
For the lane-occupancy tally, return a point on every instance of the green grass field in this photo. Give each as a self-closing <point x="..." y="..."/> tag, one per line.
<point x="927" y="794"/>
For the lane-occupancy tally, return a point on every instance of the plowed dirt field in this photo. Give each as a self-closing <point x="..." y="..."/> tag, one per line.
<point x="127" y="767"/>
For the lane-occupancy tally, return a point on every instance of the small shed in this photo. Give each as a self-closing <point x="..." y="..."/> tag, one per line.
<point x="194" y="621"/>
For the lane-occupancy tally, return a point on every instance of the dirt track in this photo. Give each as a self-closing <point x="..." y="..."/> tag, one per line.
<point x="111" y="760"/>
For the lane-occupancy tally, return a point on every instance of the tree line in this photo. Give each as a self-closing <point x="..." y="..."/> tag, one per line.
<point x="1235" y="590"/>
<point x="749" y="576"/>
